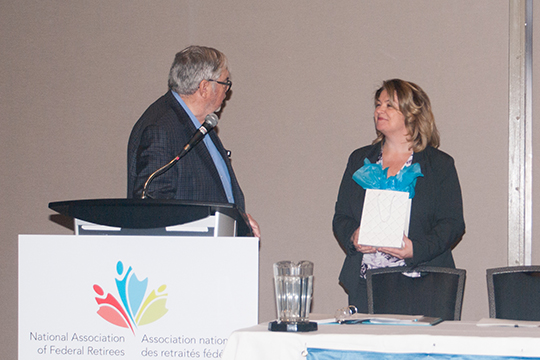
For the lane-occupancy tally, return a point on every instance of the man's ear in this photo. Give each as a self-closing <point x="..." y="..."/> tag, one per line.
<point x="204" y="89"/>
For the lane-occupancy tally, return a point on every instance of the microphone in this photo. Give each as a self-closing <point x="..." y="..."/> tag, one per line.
<point x="210" y="121"/>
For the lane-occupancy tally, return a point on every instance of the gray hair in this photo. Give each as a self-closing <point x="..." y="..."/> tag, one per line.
<point x="193" y="65"/>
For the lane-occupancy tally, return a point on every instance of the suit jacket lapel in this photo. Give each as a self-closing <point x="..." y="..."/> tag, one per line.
<point x="202" y="151"/>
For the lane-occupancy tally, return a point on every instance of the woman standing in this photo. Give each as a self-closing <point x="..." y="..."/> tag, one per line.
<point x="406" y="135"/>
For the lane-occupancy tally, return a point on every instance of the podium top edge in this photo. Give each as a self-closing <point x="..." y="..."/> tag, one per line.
<point x="138" y="202"/>
<point x="146" y="213"/>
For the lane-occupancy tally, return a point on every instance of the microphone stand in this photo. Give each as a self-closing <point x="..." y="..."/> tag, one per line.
<point x="160" y="171"/>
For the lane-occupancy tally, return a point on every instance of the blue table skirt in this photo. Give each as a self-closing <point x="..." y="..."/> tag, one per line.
<point x="328" y="354"/>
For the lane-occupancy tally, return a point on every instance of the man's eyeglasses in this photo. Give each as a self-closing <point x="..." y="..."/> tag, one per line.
<point x="227" y="83"/>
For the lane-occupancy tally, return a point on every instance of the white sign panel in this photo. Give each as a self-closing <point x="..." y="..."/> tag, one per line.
<point x="134" y="297"/>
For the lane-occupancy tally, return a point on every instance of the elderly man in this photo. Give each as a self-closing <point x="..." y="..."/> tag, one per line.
<point x="198" y="84"/>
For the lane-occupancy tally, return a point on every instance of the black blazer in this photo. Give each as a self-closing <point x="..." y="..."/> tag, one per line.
<point x="157" y="138"/>
<point x="436" y="223"/>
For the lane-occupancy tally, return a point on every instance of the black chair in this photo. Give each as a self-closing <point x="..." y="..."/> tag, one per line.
<point x="437" y="292"/>
<point x="514" y="292"/>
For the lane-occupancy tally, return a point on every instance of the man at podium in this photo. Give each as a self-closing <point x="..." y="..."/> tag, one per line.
<point x="199" y="80"/>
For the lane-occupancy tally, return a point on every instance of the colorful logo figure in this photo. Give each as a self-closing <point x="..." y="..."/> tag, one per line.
<point x="133" y="309"/>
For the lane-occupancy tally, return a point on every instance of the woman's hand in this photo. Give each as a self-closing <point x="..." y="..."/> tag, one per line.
<point x="406" y="252"/>
<point x="362" y="248"/>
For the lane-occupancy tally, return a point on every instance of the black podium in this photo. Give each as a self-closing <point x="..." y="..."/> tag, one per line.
<point x="153" y="217"/>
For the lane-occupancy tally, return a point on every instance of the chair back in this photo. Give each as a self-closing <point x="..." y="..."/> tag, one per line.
<point x="514" y="292"/>
<point x="437" y="292"/>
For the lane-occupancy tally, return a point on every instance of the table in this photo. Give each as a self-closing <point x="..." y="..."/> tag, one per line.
<point x="447" y="340"/>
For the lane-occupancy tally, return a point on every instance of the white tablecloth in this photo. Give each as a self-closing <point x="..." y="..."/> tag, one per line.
<point x="449" y="337"/>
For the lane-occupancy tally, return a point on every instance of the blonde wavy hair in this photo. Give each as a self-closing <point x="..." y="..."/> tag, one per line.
<point x="414" y="104"/>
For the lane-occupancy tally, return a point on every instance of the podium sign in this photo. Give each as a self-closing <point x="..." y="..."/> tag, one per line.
<point x="134" y="297"/>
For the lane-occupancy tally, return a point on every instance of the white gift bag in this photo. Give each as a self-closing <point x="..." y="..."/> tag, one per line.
<point x="385" y="218"/>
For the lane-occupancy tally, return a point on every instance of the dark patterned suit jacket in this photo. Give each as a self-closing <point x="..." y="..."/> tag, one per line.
<point x="157" y="138"/>
<point x="436" y="223"/>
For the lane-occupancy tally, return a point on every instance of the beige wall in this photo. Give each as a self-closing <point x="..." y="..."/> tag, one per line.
<point x="75" y="76"/>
